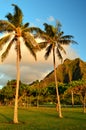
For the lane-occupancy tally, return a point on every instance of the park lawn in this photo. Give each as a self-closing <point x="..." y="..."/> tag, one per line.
<point x="43" y="118"/>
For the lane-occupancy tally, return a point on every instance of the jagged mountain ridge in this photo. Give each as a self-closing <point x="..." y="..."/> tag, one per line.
<point x="68" y="71"/>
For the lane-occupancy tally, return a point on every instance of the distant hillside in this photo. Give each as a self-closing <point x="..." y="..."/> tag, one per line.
<point x="68" y="71"/>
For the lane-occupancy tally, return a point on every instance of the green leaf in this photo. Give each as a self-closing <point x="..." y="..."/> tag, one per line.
<point x="4" y="40"/>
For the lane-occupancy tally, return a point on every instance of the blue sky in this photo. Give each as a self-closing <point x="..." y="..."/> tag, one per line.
<point x="71" y="14"/>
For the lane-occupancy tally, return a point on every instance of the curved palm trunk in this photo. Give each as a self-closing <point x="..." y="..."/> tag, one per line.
<point x="58" y="107"/>
<point x="15" y="120"/>
<point x="72" y="95"/>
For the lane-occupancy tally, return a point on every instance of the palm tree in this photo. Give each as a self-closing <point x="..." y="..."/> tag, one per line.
<point x="54" y="39"/>
<point x="16" y="30"/>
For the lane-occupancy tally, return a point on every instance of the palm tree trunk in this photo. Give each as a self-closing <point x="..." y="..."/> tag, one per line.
<point x="56" y="83"/>
<point x="72" y="95"/>
<point x="17" y="86"/>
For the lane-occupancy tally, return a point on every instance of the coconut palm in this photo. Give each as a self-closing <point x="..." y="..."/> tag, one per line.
<point x="54" y="39"/>
<point x="15" y="30"/>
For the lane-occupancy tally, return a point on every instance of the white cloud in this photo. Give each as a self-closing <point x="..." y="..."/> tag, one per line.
<point x="30" y="69"/>
<point x="38" y="20"/>
<point x="50" y="19"/>
<point x="70" y="53"/>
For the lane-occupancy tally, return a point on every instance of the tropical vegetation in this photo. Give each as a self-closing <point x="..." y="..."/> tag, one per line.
<point x="65" y="85"/>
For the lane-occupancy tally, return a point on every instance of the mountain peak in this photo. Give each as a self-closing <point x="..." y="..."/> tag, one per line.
<point x="68" y="71"/>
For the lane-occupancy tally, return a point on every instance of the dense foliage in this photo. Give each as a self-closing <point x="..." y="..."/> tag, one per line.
<point x="35" y="94"/>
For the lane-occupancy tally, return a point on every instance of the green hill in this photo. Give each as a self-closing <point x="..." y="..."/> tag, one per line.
<point x="68" y="71"/>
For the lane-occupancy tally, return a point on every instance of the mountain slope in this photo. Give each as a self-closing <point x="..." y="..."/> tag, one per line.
<point x="68" y="71"/>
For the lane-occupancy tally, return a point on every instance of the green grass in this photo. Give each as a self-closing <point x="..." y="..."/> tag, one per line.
<point x="43" y="119"/>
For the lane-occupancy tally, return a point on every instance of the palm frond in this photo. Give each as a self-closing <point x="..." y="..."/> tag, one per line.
<point x="17" y="18"/>
<point x="31" y="49"/>
<point x="31" y="43"/>
<point x="6" y="52"/>
<point x="36" y="29"/>
<point x="9" y="16"/>
<point x="38" y="33"/>
<point x="45" y="37"/>
<point x="4" y="40"/>
<point x="6" y="26"/>
<point x="59" y="54"/>
<point x="18" y="15"/>
<point x="63" y="42"/>
<point x="59" y="34"/>
<point x="54" y="36"/>
<point x="30" y="39"/>
<point x="50" y="30"/>
<point x="73" y="42"/>
<point x="61" y="48"/>
<point x="67" y="37"/>
<point x="42" y="45"/>
<point x="25" y="26"/>
<point x="58" y="26"/>
<point x="48" y="51"/>
<point x="66" y="42"/>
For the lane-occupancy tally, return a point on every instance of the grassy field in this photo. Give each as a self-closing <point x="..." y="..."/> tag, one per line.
<point x="43" y="119"/>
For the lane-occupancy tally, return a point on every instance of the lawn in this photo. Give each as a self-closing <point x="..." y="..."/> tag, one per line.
<point x="43" y="119"/>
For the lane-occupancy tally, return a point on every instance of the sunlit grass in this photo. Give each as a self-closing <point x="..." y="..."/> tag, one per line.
<point x="43" y="119"/>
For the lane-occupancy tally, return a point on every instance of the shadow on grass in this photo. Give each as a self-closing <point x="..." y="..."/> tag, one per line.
<point x="75" y="118"/>
<point x="7" y="119"/>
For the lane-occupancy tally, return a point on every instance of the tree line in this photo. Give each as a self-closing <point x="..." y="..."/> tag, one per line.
<point x="73" y="93"/>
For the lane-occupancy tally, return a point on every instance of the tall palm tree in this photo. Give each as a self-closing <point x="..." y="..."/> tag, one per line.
<point x="54" y="39"/>
<point x="16" y="30"/>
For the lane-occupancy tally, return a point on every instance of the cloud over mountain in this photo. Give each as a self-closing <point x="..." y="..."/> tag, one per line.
<point x="29" y="68"/>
